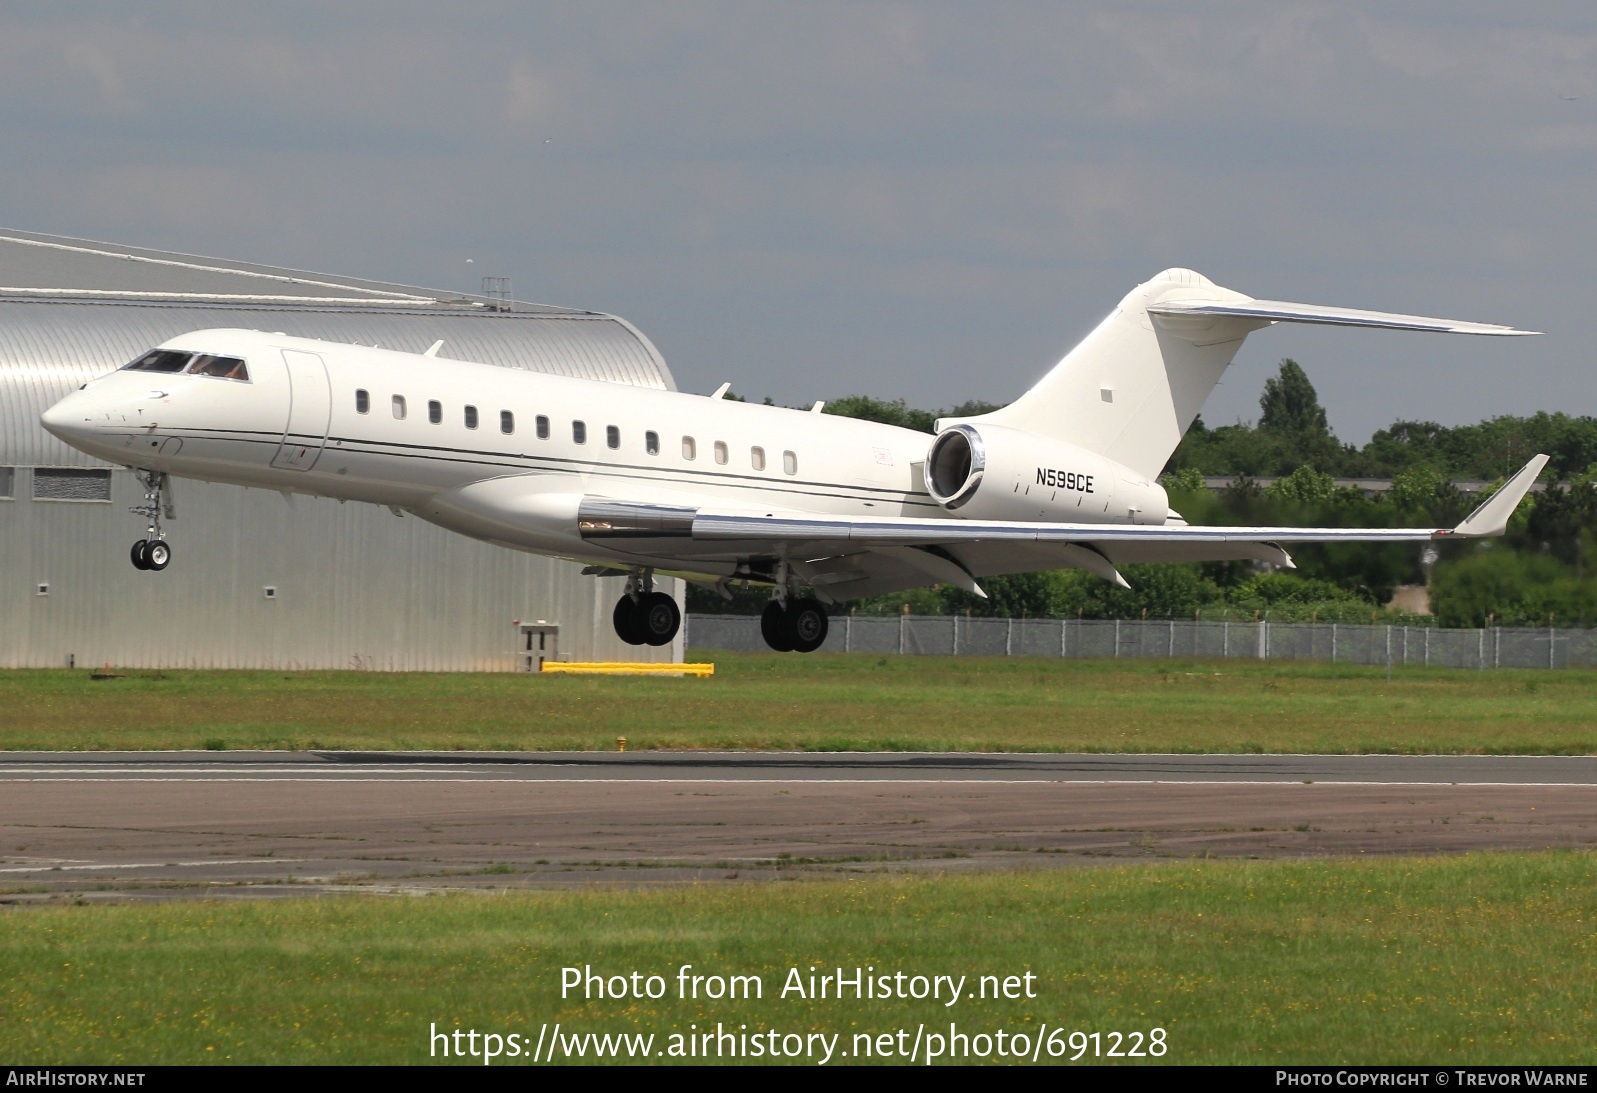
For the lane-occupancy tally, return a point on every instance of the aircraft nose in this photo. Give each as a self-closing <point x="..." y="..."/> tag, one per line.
<point x="67" y="419"/>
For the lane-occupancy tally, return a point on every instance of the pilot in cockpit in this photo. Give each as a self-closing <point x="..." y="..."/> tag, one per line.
<point x="195" y="364"/>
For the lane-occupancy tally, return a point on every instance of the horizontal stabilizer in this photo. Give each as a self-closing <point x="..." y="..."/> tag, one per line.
<point x="1277" y="311"/>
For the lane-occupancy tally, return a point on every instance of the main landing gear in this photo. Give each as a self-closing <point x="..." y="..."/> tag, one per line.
<point x="644" y="616"/>
<point x="152" y="552"/>
<point x="794" y="625"/>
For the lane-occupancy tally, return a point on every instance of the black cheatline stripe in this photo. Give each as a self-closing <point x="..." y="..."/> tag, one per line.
<point x="601" y="470"/>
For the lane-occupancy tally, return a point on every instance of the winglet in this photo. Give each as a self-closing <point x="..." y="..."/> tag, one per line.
<point x="1491" y="518"/>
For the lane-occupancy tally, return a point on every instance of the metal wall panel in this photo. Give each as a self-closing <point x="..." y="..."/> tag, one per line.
<point x="355" y="587"/>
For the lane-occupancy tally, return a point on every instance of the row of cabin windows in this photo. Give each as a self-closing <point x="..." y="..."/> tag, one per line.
<point x="579" y="432"/>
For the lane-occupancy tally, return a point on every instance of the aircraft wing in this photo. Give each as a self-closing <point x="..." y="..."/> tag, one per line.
<point x="875" y="552"/>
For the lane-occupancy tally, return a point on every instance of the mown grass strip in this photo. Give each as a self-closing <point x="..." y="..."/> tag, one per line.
<point x="1484" y="958"/>
<point x="824" y="703"/>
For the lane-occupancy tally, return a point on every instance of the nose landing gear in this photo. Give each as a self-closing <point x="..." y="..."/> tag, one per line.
<point x="644" y="616"/>
<point x="153" y="552"/>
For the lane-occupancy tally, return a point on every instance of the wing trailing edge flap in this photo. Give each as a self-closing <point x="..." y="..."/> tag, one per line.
<point x="1104" y="559"/>
<point x="888" y="569"/>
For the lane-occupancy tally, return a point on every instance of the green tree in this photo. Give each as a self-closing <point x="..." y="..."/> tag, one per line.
<point x="1514" y="588"/>
<point x="1290" y="406"/>
<point x="896" y="412"/>
<point x="1304" y="486"/>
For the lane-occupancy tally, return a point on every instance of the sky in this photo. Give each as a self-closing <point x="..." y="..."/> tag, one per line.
<point x="927" y="201"/>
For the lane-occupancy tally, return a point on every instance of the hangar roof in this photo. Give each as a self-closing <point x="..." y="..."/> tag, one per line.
<point x="33" y="265"/>
<point x="72" y="309"/>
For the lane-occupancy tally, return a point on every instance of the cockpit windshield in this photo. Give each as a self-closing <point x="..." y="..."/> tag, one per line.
<point x="161" y="360"/>
<point x="227" y="368"/>
<point x="196" y="364"/>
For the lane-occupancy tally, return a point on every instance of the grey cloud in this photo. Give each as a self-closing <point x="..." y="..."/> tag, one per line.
<point x="904" y="199"/>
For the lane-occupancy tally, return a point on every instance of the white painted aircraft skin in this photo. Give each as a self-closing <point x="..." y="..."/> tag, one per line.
<point x="1064" y="476"/>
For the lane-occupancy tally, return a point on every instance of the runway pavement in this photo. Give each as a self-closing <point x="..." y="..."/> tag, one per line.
<point x="172" y="824"/>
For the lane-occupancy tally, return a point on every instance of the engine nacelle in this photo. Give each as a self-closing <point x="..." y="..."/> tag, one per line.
<point x="992" y="472"/>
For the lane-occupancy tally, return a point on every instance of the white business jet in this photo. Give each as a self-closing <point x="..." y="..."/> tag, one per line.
<point x="636" y="482"/>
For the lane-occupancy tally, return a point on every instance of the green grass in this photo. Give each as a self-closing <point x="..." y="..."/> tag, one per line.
<point x="1483" y="958"/>
<point x="824" y="703"/>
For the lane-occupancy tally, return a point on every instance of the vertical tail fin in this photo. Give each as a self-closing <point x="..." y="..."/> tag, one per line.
<point x="1133" y="386"/>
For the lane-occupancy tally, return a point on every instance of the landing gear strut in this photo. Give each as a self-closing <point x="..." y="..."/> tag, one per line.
<point x="644" y="616"/>
<point x="152" y="552"/>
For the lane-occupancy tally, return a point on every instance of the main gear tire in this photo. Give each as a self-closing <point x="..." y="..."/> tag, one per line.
<point x="137" y="555"/>
<point x="806" y="624"/>
<point x="773" y="627"/>
<point x="659" y="618"/>
<point x="628" y="621"/>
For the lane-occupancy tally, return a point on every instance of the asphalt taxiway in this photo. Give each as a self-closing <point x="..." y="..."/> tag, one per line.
<point x="165" y="824"/>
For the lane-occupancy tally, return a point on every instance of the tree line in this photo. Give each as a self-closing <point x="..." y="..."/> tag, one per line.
<point x="1534" y="576"/>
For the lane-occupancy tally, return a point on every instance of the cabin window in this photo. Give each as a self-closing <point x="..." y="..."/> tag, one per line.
<point x="757" y="458"/>
<point x="435" y="411"/>
<point x="226" y="368"/>
<point x="8" y="483"/>
<point x="612" y="436"/>
<point x="579" y="432"/>
<point x="363" y="402"/>
<point x="507" y="422"/>
<point x="651" y="442"/>
<point x="689" y="449"/>
<point x="399" y="407"/>
<point x="720" y="452"/>
<point x="789" y="463"/>
<point x="543" y="427"/>
<point x="471" y="417"/>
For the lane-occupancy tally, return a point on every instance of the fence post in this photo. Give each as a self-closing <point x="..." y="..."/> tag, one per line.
<point x="1427" y="647"/>
<point x="903" y="625"/>
<point x="1117" y="639"/>
<point x="848" y="633"/>
<point x="1263" y="652"/>
<point x="1064" y="628"/>
<point x="956" y="635"/>
<point x="1497" y="647"/>
<point x="1333" y="643"/>
<point x="1009" y="638"/>
<point x="1225" y="640"/>
<point x="1481" y="655"/>
<point x="1389" y="654"/>
<point x="1405" y="646"/>
<point x="1552" y="642"/>
<point x="1172" y="651"/>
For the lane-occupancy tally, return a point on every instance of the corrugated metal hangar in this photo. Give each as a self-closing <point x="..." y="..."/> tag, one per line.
<point x="258" y="579"/>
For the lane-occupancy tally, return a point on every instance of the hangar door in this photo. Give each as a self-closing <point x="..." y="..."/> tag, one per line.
<point x="310" y="408"/>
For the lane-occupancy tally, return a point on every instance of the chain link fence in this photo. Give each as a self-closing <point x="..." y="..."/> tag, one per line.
<point x="921" y="635"/>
